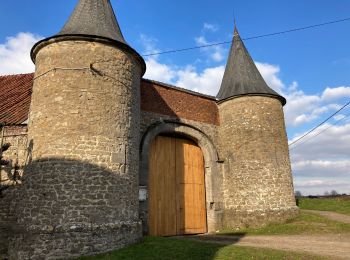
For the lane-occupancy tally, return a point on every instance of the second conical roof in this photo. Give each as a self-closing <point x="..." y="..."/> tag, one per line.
<point x="95" y="18"/>
<point x="241" y="75"/>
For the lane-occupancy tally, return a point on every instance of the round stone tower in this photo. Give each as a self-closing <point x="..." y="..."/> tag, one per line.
<point x="80" y="194"/>
<point x="257" y="183"/>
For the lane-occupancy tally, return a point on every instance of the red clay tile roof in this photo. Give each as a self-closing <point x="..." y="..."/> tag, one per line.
<point x="156" y="97"/>
<point x="15" y="96"/>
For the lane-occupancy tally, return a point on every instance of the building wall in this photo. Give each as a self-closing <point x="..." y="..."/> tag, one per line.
<point x="17" y="137"/>
<point x="174" y="102"/>
<point x="83" y="171"/>
<point x="80" y="191"/>
<point x="258" y="186"/>
<point x="16" y="154"/>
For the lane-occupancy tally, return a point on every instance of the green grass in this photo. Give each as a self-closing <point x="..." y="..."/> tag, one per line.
<point x="155" y="248"/>
<point x="304" y="224"/>
<point x="338" y="204"/>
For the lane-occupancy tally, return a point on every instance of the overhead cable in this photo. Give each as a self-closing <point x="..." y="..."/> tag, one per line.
<point x="319" y="125"/>
<point x="321" y="132"/>
<point x="249" y="38"/>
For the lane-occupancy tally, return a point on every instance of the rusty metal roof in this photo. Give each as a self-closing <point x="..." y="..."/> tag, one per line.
<point x="15" y="97"/>
<point x="241" y="75"/>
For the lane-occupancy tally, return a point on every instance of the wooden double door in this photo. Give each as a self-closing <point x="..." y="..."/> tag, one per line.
<point x="176" y="188"/>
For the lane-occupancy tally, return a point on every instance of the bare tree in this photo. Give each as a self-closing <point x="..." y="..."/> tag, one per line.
<point x="334" y="193"/>
<point x="298" y="193"/>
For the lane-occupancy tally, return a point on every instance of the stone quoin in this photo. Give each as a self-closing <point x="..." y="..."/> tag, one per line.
<point x="85" y="140"/>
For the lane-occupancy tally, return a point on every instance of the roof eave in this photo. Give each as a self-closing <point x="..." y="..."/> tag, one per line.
<point x="280" y="98"/>
<point x="91" y="38"/>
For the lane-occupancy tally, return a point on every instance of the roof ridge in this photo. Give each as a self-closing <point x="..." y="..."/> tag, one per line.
<point x="15" y="75"/>
<point x="180" y="89"/>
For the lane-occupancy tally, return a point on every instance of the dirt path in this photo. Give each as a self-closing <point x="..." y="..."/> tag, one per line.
<point x="333" y="246"/>
<point x="331" y="215"/>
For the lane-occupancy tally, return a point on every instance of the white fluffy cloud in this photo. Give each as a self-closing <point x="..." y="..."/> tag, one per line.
<point x="149" y="44"/>
<point x="330" y="94"/>
<point x="159" y="71"/>
<point x="206" y="82"/>
<point x="15" y="54"/>
<point x="210" y="27"/>
<point x="270" y="74"/>
<point x="323" y="156"/>
<point x="215" y="53"/>
<point x="332" y="145"/>
<point x="320" y="186"/>
<point x="323" y="168"/>
<point x="302" y="108"/>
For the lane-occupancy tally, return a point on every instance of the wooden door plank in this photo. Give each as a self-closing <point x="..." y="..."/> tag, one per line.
<point x="162" y="205"/>
<point x="179" y="159"/>
<point x="153" y="194"/>
<point x="190" y="169"/>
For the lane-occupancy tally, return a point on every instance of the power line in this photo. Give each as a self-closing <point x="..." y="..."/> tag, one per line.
<point x="324" y="130"/>
<point x="249" y="38"/>
<point x="322" y="123"/>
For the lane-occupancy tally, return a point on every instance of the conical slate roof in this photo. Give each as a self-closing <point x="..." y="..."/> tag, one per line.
<point x="95" y="18"/>
<point x="92" y="20"/>
<point x="241" y="76"/>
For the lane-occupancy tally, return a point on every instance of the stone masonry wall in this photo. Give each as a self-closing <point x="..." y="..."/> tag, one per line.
<point x="17" y="137"/>
<point x="7" y="219"/>
<point x="80" y="185"/>
<point x="258" y="186"/>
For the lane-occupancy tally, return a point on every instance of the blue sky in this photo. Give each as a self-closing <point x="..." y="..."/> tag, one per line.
<point x="311" y="67"/>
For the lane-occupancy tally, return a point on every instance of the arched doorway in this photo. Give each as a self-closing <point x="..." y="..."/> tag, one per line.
<point x="177" y="203"/>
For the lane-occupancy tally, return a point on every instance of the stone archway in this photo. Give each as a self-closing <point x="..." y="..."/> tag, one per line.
<point x="213" y="177"/>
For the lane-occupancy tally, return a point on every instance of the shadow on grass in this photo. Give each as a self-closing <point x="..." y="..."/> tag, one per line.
<point x="234" y="238"/>
<point x="160" y="248"/>
<point x="183" y="248"/>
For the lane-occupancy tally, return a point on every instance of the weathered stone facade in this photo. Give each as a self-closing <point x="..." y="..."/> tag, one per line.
<point x="258" y="185"/>
<point x="83" y="183"/>
<point x="11" y="176"/>
<point x="247" y="184"/>
<point x="16" y="136"/>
